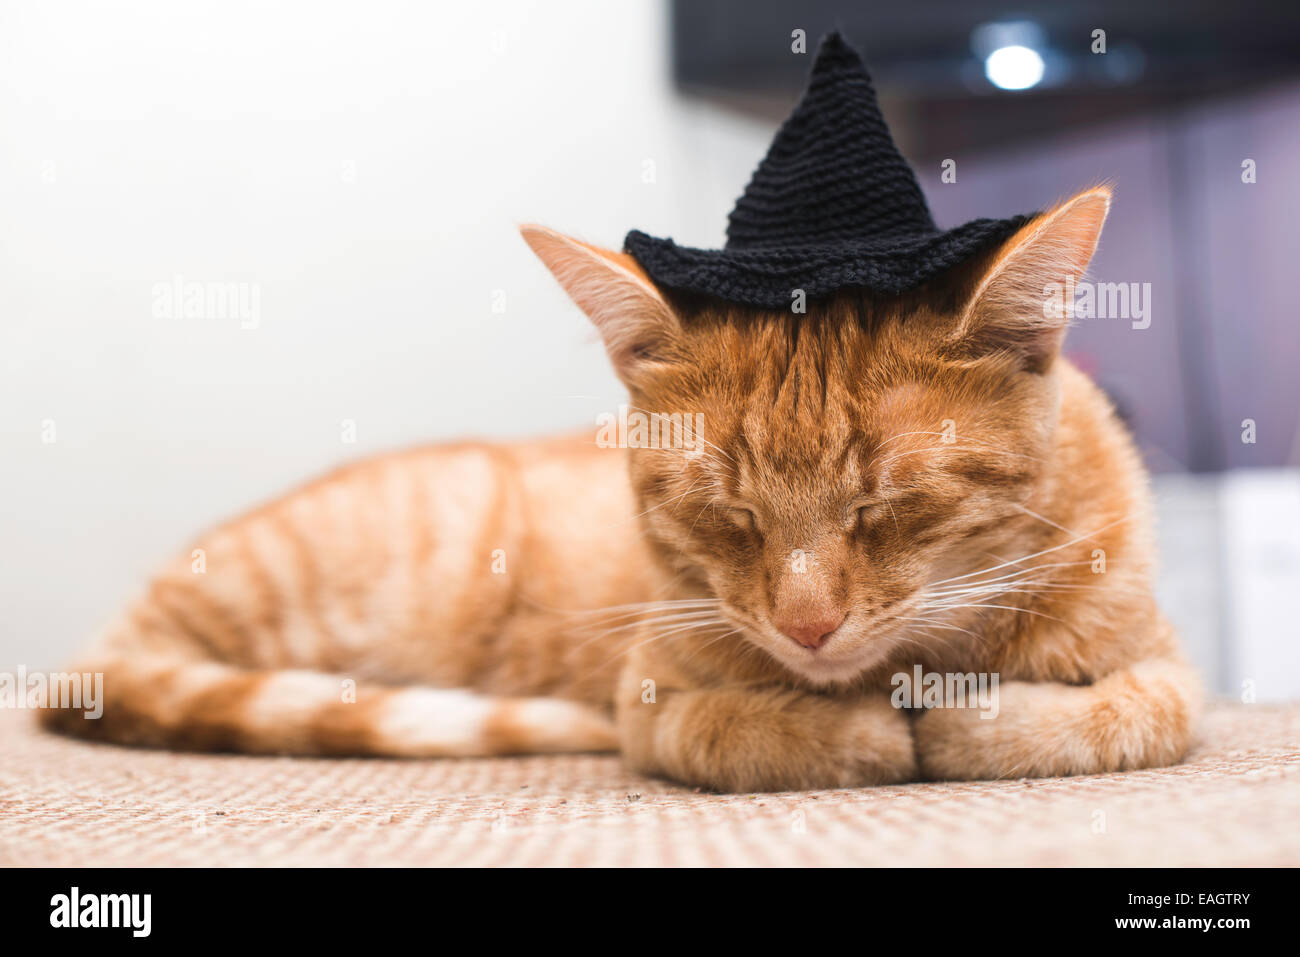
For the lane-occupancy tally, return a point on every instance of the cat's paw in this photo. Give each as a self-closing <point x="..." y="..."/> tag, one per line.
<point x="1137" y="718"/>
<point x="879" y="744"/>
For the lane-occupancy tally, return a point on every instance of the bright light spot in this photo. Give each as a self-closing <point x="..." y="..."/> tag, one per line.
<point x="1014" y="68"/>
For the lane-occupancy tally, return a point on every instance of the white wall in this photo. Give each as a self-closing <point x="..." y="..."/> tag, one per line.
<point x="362" y="166"/>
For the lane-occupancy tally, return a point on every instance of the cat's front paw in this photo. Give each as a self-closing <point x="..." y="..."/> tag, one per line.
<point x="879" y="745"/>
<point x="1138" y="718"/>
<point x="957" y="744"/>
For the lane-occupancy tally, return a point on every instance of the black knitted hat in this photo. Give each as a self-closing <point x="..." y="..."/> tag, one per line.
<point x="833" y="205"/>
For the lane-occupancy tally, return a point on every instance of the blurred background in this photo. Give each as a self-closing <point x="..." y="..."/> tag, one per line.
<point x="341" y="184"/>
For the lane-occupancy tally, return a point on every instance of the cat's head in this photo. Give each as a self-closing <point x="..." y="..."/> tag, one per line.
<point x="849" y="456"/>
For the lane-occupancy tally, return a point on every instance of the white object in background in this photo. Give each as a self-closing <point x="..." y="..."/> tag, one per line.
<point x="1189" y="585"/>
<point x="1260" y="513"/>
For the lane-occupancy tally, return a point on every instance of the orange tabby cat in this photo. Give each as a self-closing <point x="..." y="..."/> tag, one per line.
<point x="878" y="484"/>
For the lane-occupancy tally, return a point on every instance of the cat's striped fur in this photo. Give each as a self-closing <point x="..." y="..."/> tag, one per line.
<point x="422" y="603"/>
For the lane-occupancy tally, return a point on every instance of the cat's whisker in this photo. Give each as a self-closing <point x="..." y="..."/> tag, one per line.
<point x="1037" y="588"/>
<point x="927" y="623"/>
<point x="700" y="514"/>
<point x="1026" y="611"/>
<point x="637" y="608"/>
<point x="1000" y="588"/>
<point x="686" y="619"/>
<point x="1033" y="568"/>
<point x="648" y="611"/>
<point x="1010" y="576"/>
<point x="1045" y="551"/>
<point x="584" y="618"/>
<point x="653" y="603"/>
<point x="610" y="628"/>
<point x="603" y="617"/>
<point x="1029" y="589"/>
<point x="932" y="448"/>
<point x="669" y="501"/>
<point x="902" y="640"/>
<point x="900" y="435"/>
<point x="1042" y="518"/>
<point x="659" y="636"/>
<point x="987" y="589"/>
<point x="712" y="641"/>
<point x="662" y="628"/>
<point x="897" y="530"/>
<point x="1020" y="582"/>
<point x="696" y="436"/>
<point x="689" y="457"/>
<point x="939" y="623"/>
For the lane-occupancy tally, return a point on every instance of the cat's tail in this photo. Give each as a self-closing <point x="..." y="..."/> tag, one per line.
<point x="185" y="703"/>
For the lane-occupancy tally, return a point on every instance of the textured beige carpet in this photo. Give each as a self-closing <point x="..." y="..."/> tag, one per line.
<point x="1235" y="802"/>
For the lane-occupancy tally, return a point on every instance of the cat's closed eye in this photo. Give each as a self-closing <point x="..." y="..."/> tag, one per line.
<point x="866" y="515"/>
<point x="871" y="514"/>
<point x="744" y="517"/>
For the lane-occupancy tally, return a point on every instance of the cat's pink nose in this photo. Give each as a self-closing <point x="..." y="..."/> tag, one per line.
<point x="811" y="630"/>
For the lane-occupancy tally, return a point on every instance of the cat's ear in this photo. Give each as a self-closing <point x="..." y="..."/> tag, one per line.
<point x="636" y="324"/>
<point x="1016" y="302"/>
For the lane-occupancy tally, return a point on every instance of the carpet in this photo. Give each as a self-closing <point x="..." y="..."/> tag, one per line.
<point x="1235" y="801"/>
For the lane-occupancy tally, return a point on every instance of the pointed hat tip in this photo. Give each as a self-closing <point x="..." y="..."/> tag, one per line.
<point x="835" y="49"/>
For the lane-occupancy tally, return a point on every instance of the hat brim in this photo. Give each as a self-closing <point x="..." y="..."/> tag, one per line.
<point x="771" y="277"/>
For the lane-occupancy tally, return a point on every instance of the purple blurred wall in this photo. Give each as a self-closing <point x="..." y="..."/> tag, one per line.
<point x="1223" y="343"/>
